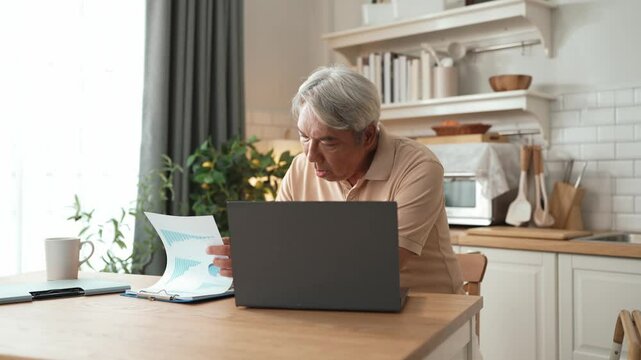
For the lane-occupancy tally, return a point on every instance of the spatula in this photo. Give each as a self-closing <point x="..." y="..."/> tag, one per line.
<point x="520" y="209"/>
<point x="542" y="216"/>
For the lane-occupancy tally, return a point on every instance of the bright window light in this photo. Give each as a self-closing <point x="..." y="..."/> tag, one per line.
<point x="71" y="78"/>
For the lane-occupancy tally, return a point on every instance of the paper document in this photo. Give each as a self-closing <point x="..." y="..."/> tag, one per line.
<point x="190" y="274"/>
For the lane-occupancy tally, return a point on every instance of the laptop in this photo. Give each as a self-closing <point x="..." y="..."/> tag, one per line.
<point x="316" y="255"/>
<point x="26" y="292"/>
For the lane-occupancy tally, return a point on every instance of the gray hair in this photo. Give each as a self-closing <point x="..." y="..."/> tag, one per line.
<point x="341" y="98"/>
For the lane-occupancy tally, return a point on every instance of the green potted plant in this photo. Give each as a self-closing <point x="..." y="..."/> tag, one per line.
<point x="238" y="171"/>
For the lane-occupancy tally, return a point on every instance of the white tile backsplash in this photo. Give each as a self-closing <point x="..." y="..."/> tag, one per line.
<point x="628" y="115"/>
<point x="605" y="98"/>
<point x="597" y="116"/>
<point x="564" y="119"/>
<point x="597" y="151"/>
<point x="593" y="183"/>
<point x="628" y="186"/>
<point x="617" y="168"/>
<point x="624" y="97"/>
<point x="628" y="150"/>
<point x="615" y="133"/>
<point x="623" y="204"/>
<point x="562" y="152"/>
<point x="556" y="136"/>
<point x="579" y="101"/>
<point x="597" y="220"/>
<point x="629" y="222"/>
<point x="603" y="128"/>
<point x="580" y="134"/>
<point x="597" y="202"/>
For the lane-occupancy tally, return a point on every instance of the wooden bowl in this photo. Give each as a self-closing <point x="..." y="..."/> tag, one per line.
<point x="476" y="128"/>
<point x="510" y="82"/>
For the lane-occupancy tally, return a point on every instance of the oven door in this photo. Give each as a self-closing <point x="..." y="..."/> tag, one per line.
<point x="464" y="203"/>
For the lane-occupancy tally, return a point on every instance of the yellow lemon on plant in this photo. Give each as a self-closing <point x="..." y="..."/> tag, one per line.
<point x="259" y="185"/>
<point x="207" y="164"/>
<point x="204" y="186"/>
<point x="256" y="162"/>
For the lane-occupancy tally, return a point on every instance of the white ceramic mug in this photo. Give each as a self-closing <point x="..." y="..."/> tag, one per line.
<point x="62" y="255"/>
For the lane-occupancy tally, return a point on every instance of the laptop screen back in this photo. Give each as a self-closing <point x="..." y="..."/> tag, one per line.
<point x="315" y="255"/>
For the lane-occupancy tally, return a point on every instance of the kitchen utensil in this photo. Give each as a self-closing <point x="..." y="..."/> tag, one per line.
<point x="578" y="180"/>
<point x="510" y="82"/>
<point x="542" y="217"/>
<point x="567" y="171"/>
<point x="445" y="81"/>
<point x="547" y="215"/>
<point x="520" y="209"/>
<point x="529" y="233"/>
<point x="565" y="206"/>
<point x="432" y="52"/>
<point x="447" y="62"/>
<point x="456" y="50"/>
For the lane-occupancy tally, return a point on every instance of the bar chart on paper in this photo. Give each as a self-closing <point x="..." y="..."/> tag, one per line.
<point x="190" y="271"/>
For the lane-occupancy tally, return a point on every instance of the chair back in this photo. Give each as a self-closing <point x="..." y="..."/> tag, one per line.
<point x="473" y="266"/>
<point x="628" y="326"/>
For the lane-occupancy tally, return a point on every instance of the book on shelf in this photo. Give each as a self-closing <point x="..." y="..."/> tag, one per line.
<point x="402" y="64"/>
<point x="415" y="79"/>
<point x="378" y="73"/>
<point x="396" y="88"/>
<point x="427" y="64"/>
<point x="398" y="77"/>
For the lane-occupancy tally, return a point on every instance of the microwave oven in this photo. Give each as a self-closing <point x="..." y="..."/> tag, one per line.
<point x="465" y="203"/>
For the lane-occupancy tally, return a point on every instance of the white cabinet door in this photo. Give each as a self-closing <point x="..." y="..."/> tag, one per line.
<point x="592" y="291"/>
<point x="518" y="319"/>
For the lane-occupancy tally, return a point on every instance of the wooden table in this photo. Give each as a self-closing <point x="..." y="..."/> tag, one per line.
<point x="433" y="326"/>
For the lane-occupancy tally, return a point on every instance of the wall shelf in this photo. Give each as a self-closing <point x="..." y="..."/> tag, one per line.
<point x="523" y="106"/>
<point x="486" y="24"/>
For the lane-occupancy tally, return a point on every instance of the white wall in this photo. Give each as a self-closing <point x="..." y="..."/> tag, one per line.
<point x="282" y="46"/>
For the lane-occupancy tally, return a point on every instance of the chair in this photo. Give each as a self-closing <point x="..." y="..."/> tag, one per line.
<point x="628" y="326"/>
<point x="473" y="266"/>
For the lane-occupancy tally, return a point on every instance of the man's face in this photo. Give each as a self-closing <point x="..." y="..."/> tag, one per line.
<point x="336" y="154"/>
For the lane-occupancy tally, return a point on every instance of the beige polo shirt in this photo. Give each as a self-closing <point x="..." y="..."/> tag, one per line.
<point x="407" y="172"/>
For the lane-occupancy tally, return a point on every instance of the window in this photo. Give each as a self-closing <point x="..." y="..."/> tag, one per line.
<point x="71" y="78"/>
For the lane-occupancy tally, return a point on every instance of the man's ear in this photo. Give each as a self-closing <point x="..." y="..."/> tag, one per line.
<point x="369" y="135"/>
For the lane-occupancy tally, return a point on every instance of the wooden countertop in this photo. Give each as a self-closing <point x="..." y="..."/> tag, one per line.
<point x="460" y="237"/>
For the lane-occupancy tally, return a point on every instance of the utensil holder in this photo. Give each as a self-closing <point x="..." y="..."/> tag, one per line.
<point x="445" y="81"/>
<point x="565" y="206"/>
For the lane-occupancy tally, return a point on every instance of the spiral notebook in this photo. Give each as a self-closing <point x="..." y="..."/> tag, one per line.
<point x="190" y="274"/>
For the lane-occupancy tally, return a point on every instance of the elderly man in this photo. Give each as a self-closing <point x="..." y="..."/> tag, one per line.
<point x="349" y="156"/>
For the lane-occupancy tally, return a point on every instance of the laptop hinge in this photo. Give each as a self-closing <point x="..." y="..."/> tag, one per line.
<point x="56" y="293"/>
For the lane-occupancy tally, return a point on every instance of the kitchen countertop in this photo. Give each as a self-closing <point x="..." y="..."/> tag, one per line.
<point x="459" y="237"/>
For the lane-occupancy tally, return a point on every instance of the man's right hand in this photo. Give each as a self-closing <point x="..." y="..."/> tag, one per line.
<point x="223" y="263"/>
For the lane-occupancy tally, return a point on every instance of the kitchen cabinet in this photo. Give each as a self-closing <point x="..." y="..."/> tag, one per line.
<point x="519" y="315"/>
<point x="479" y="26"/>
<point x="592" y="291"/>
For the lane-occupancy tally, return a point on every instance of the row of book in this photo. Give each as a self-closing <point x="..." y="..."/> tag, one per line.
<point x="399" y="77"/>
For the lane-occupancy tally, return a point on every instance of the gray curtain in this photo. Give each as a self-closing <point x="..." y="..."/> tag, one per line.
<point x="193" y="90"/>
